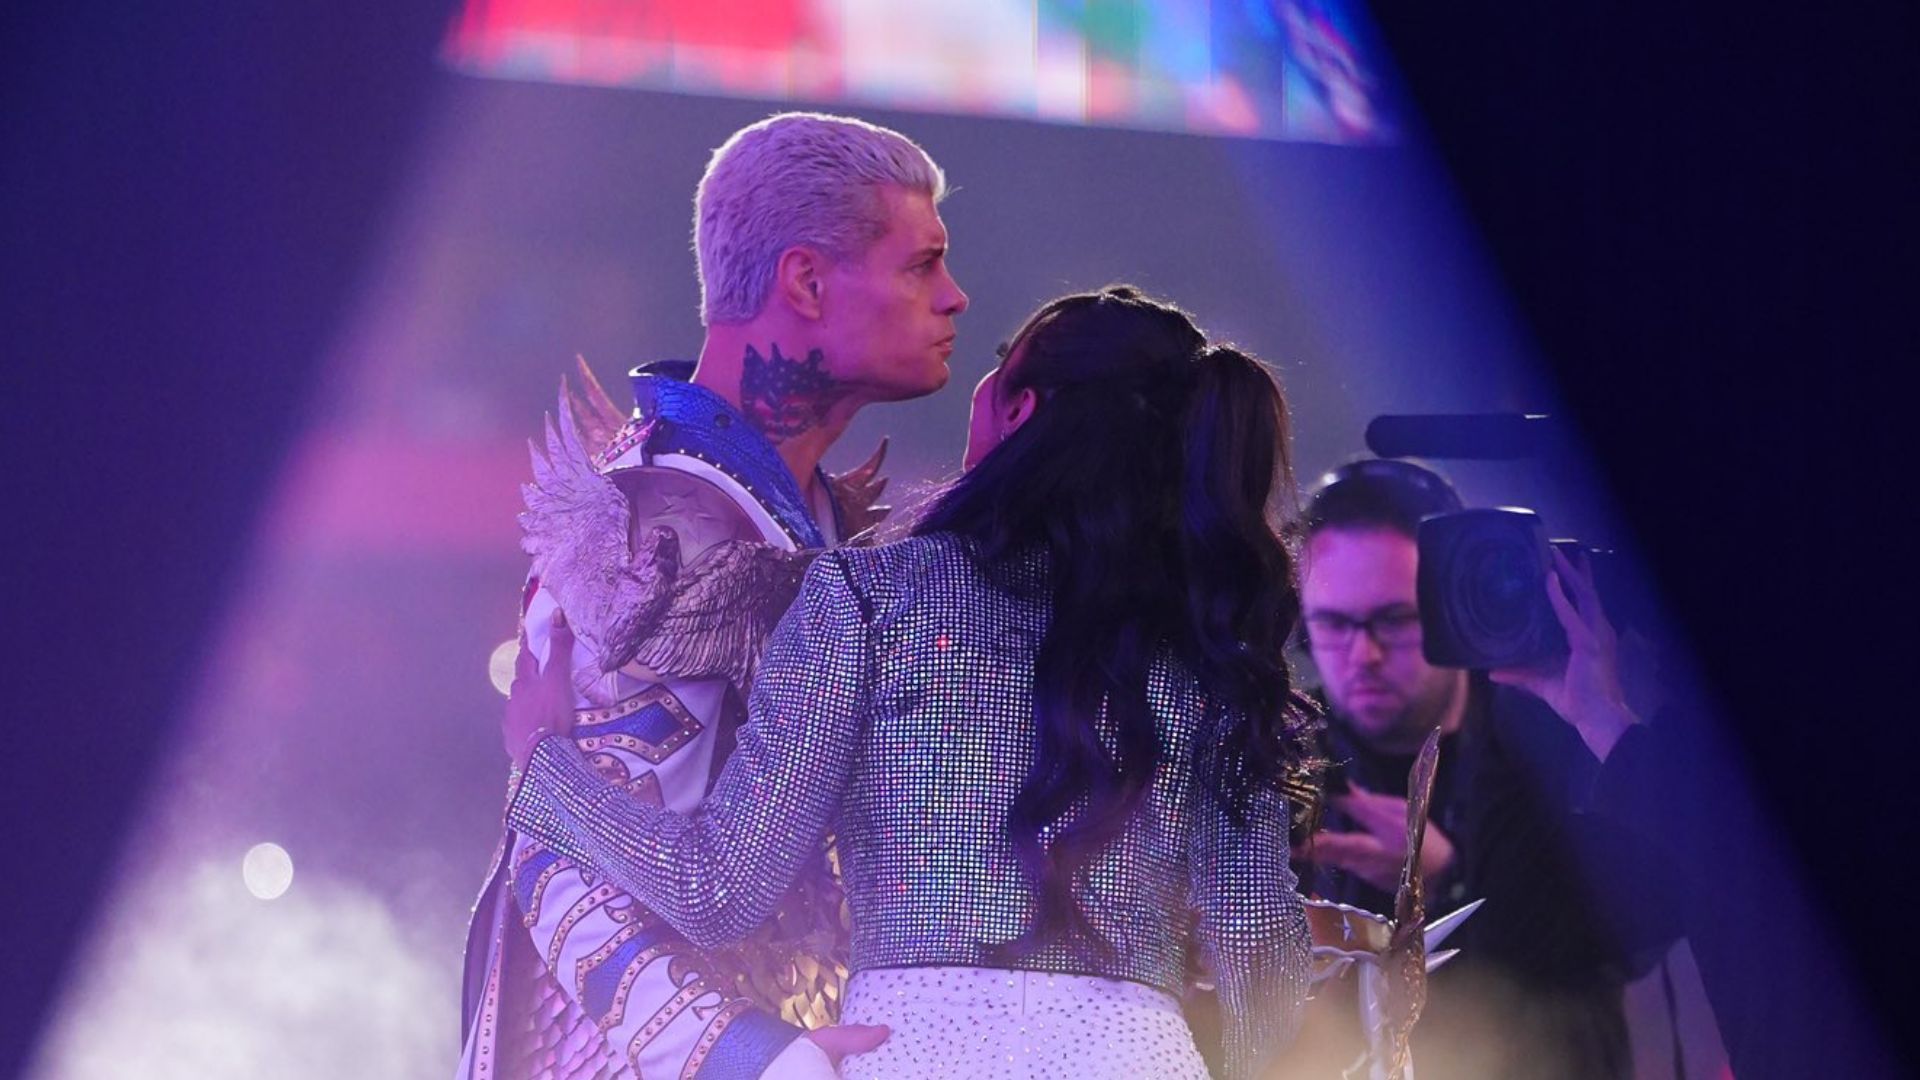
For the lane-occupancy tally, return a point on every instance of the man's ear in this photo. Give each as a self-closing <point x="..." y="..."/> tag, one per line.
<point x="799" y="280"/>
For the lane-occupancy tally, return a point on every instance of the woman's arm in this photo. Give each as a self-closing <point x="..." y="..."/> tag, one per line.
<point x="716" y="873"/>
<point x="1250" y="927"/>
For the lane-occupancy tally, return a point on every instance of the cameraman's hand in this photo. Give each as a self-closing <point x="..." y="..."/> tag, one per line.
<point x="1583" y="687"/>
<point x="1375" y="853"/>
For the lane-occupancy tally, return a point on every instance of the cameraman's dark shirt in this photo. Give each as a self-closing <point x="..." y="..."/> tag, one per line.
<point x="1547" y="952"/>
<point x="1354" y="762"/>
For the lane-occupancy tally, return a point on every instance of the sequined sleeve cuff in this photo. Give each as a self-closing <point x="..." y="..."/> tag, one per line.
<point x="555" y="776"/>
<point x="663" y="859"/>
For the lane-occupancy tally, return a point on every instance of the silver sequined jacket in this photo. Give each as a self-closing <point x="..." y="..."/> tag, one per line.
<point x="894" y="706"/>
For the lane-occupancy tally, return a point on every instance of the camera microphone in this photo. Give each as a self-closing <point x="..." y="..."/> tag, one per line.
<point x="1482" y="436"/>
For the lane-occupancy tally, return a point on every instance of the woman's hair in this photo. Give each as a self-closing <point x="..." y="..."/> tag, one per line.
<point x="1151" y="473"/>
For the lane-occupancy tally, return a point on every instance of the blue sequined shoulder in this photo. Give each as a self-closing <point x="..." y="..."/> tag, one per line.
<point x="686" y="419"/>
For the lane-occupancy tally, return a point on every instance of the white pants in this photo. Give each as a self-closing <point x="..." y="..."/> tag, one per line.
<point x="980" y="1022"/>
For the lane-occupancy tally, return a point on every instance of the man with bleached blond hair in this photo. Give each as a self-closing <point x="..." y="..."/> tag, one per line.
<point x="673" y="540"/>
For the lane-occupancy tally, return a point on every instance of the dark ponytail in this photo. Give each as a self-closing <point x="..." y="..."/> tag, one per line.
<point x="1236" y="490"/>
<point x="1151" y="475"/>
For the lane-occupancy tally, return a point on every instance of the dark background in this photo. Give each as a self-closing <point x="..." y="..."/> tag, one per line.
<point x="1705" y="213"/>
<point x="1703" y="216"/>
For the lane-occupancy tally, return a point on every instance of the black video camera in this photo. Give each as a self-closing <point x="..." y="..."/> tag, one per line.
<point x="1483" y="588"/>
<point x="1482" y="581"/>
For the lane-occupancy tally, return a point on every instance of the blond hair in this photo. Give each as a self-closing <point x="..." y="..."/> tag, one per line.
<point x="795" y="179"/>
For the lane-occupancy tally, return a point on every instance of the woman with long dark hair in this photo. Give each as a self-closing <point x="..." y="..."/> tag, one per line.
<point x="1049" y="726"/>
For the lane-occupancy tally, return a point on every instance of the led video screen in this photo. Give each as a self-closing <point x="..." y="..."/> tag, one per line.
<point x="1280" y="69"/>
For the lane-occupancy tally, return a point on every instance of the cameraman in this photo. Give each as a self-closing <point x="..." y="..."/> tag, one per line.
<point x="1537" y="988"/>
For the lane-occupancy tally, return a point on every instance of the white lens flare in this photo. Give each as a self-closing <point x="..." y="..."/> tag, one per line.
<point x="500" y="665"/>
<point x="267" y="870"/>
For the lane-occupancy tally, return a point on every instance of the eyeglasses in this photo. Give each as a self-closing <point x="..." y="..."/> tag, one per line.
<point x="1393" y="628"/>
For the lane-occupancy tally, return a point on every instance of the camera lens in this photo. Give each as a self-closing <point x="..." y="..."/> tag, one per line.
<point x="1482" y="598"/>
<point x="1496" y="581"/>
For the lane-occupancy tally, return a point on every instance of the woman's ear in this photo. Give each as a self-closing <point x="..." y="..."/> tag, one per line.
<point x="1017" y="408"/>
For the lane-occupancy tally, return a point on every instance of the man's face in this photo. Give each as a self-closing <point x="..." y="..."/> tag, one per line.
<point x="887" y="318"/>
<point x="1385" y="689"/>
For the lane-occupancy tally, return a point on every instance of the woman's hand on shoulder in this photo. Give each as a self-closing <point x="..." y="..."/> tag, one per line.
<point x="540" y="701"/>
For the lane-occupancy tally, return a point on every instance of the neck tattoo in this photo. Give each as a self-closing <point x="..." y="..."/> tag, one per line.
<point x="783" y="397"/>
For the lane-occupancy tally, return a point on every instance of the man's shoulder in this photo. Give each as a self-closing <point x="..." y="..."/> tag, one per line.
<point x="699" y="511"/>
